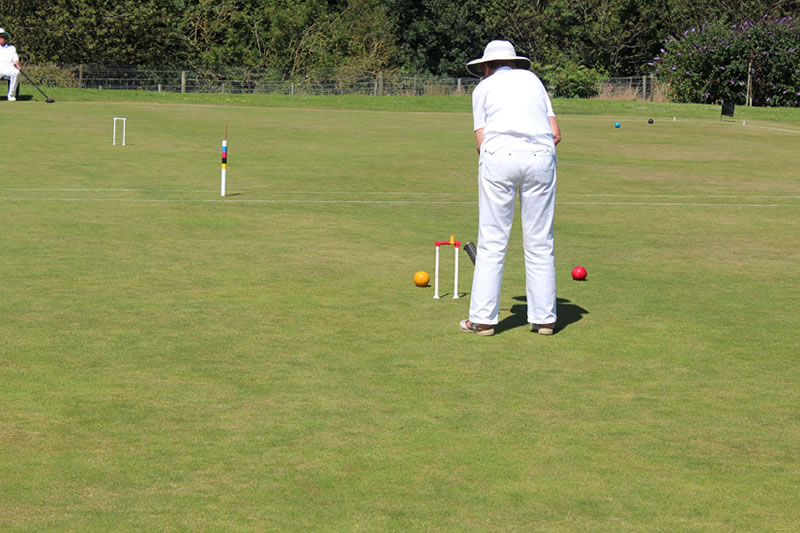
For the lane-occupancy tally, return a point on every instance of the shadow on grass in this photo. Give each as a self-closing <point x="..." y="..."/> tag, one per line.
<point x="568" y="313"/>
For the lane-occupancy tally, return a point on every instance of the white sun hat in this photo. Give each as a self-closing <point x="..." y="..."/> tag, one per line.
<point x="5" y="33"/>
<point x="498" y="51"/>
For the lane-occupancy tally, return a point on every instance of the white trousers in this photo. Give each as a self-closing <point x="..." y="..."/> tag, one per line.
<point x="12" y="74"/>
<point x="529" y="170"/>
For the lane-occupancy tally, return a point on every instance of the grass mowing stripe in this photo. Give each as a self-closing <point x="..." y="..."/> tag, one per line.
<point x="380" y="202"/>
<point x="568" y="118"/>
<point x="402" y="193"/>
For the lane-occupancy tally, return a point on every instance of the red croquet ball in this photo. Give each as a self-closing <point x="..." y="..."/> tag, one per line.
<point x="579" y="273"/>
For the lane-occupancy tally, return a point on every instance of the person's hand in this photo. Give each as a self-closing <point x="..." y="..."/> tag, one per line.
<point x="556" y="130"/>
<point x="479" y="139"/>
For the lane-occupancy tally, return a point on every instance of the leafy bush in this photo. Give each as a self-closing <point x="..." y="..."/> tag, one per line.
<point x="51" y="75"/>
<point x="710" y="64"/>
<point x="571" y="80"/>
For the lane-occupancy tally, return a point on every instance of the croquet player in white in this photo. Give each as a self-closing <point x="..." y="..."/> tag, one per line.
<point x="516" y="131"/>
<point x="9" y="64"/>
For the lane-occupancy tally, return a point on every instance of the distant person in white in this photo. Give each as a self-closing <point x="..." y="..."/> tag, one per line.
<point x="516" y="131"/>
<point x="9" y="64"/>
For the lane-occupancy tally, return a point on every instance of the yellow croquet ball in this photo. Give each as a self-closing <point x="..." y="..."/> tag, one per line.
<point x="422" y="278"/>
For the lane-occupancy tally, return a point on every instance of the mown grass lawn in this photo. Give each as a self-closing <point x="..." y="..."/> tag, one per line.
<point x="177" y="361"/>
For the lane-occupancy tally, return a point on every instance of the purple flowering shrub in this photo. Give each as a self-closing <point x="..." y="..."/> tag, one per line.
<point x="710" y="64"/>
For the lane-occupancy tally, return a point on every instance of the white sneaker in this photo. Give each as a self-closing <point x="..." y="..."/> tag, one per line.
<point x="12" y="99"/>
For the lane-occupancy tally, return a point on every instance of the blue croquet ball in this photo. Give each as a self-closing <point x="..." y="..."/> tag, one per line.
<point x="617" y="124"/>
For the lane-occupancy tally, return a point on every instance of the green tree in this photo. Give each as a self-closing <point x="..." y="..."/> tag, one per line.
<point x="290" y="39"/>
<point x="346" y="44"/>
<point x="607" y="35"/>
<point x="437" y="36"/>
<point x="86" y="31"/>
<point x="322" y="38"/>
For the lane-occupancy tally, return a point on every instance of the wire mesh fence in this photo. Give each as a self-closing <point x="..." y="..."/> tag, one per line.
<point x="244" y="81"/>
<point x="631" y="88"/>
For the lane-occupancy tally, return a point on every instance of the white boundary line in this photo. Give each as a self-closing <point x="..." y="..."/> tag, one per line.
<point x="771" y="128"/>
<point x="632" y="195"/>
<point x="378" y="202"/>
<point x="307" y="193"/>
<point x="228" y="200"/>
<point x="33" y="189"/>
<point x="676" y="204"/>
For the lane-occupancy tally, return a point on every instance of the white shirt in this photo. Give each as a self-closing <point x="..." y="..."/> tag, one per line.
<point x="8" y="54"/>
<point x="511" y="106"/>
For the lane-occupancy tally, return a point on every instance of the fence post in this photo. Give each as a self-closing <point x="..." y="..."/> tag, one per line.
<point x="291" y="88"/>
<point x="749" y="98"/>
<point x="223" y="87"/>
<point x="644" y="87"/>
<point x="459" y="85"/>
<point x="183" y="81"/>
<point x="380" y="84"/>
<point x="159" y="87"/>
<point x="80" y="76"/>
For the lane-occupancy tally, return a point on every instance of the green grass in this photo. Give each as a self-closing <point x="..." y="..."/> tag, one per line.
<point x="447" y="104"/>
<point x="177" y="361"/>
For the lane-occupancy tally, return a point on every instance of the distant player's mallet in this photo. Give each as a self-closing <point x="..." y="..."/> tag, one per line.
<point x="46" y="98"/>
